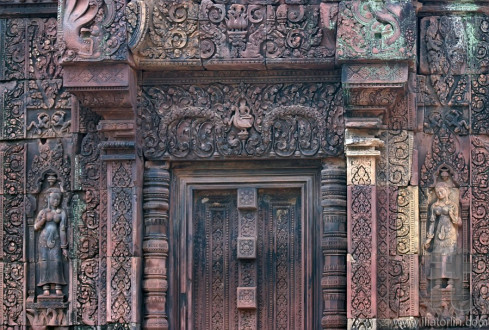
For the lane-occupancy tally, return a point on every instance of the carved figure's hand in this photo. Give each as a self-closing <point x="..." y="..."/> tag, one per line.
<point x="65" y="253"/>
<point x="427" y="244"/>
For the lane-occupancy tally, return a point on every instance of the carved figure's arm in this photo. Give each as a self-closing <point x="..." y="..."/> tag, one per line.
<point x="62" y="231"/>
<point x="40" y="220"/>
<point x="431" y="230"/>
<point x="454" y="216"/>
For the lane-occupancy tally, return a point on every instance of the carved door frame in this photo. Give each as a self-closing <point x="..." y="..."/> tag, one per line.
<point x="188" y="177"/>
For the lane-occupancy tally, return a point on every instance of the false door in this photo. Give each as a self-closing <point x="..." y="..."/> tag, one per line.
<point x="248" y="268"/>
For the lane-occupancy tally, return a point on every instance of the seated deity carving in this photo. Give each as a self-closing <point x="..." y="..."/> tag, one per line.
<point x="242" y="118"/>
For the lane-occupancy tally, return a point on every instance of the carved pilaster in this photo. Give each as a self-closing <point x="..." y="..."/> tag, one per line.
<point x="155" y="245"/>
<point x="123" y="232"/>
<point x="362" y="154"/>
<point x="333" y="243"/>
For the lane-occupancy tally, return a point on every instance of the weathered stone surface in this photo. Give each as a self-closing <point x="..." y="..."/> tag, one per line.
<point x="375" y="31"/>
<point x="171" y="187"/>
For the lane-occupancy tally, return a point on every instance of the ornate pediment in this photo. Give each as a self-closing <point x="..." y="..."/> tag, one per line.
<point x="216" y="34"/>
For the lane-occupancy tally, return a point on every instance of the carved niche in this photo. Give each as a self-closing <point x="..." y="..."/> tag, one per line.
<point x="250" y="118"/>
<point x="444" y="291"/>
<point x="48" y="274"/>
<point x="48" y="219"/>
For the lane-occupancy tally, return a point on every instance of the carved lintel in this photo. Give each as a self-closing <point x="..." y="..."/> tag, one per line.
<point x="280" y="125"/>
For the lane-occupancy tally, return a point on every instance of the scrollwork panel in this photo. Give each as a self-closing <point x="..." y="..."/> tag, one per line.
<point x="241" y="120"/>
<point x="361" y="244"/>
<point x="12" y="285"/>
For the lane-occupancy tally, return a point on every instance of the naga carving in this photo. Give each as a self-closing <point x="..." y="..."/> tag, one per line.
<point x="370" y="30"/>
<point x="78" y="38"/>
<point x="93" y="30"/>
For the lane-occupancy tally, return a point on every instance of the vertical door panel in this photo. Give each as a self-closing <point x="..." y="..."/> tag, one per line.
<point x="279" y="261"/>
<point x="280" y="284"/>
<point x="214" y="260"/>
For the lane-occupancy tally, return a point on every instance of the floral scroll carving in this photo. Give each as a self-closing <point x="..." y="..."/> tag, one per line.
<point x="12" y="100"/>
<point x="361" y="266"/>
<point x="200" y="121"/>
<point x="167" y="33"/>
<point x="302" y="33"/>
<point x="214" y="34"/>
<point x="479" y="102"/>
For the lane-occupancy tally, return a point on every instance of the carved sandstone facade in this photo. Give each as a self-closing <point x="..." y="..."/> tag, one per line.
<point x="259" y="164"/>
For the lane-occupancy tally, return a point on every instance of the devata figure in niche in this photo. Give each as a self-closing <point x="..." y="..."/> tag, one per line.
<point x="51" y="222"/>
<point x="442" y="236"/>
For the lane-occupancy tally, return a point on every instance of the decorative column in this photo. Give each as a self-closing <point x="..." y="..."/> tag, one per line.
<point x="333" y="243"/>
<point x="155" y="244"/>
